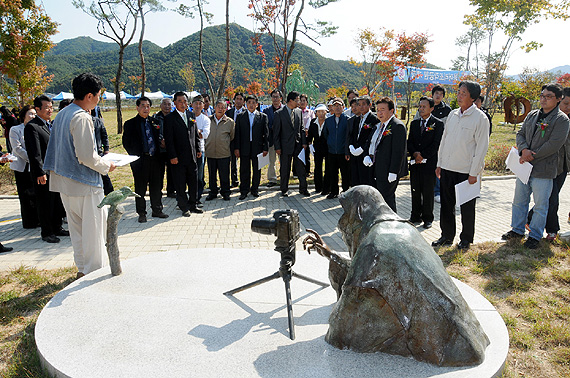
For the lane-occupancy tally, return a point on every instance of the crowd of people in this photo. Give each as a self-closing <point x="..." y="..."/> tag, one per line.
<point x="60" y="171"/>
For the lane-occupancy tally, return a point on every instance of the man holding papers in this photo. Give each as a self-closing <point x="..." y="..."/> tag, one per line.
<point x="540" y="138"/>
<point x="461" y="157"/>
<point x="423" y="143"/>
<point x="250" y="139"/>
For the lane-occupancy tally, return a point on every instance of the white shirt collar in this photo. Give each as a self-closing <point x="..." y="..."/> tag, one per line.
<point x="183" y="115"/>
<point x="469" y="110"/>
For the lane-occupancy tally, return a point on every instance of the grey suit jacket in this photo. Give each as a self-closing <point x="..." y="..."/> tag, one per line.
<point x="288" y="137"/>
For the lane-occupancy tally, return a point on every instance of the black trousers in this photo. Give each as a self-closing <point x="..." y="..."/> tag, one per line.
<point x="234" y="170"/>
<point x="170" y="186"/>
<point x="27" y="197"/>
<point x="552" y="224"/>
<point x="219" y="167"/>
<point x="247" y="164"/>
<point x="447" y="213"/>
<point x="285" y="162"/>
<point x="148" y="171"/>
<point x="49" y="208"/>
<point x="107" y="184"/>
<point x="388" y="191"/>
<point x="307" y="161"/>
<point x="422" y="182"/>
<point x="359" y="173"/>
<point x="336" y="163"/>
<point x="321" y="178"/>
<point x="185" y="176"/>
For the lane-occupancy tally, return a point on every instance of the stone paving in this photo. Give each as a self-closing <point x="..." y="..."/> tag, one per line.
<point x="227" y="224"/>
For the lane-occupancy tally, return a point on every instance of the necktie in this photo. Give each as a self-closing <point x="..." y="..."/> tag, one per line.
<point x="423" y="125"/>
<point x="149" y="139"/>
<point x="293" y="118"/>
<point x="361" y="123"/>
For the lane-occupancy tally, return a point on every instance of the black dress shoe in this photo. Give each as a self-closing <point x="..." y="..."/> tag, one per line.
<point x="198" y="202"/>
<point x="5" y="249"/>
<point x="51" y="239"/>
<point x="512" y="235"/>
<point x="235" y="184"/>
<point x="186" y="213"/>
<point x="171" y="195"/>
<point x="284" y="194"/>
<point x="415" y="222"/>
<point x="332" y="196"/>
<point x="531" y="243"/>
<point x="255" y="194"/>
<point x="271" y="184"/>
<point x="305" y="193"/>
<point x="159" y="215"/>
<point x="441" y="242"/>
<point x="211" y="197"/>
<point x="142" y="218"/>
<point x="196" y="211"/>
<point x="242" y="197"/>
<point x="199" y="205"/>
<point x="427" y="225"/>
<point x="324" y="193"/>
<point x="226" y="198"/>
<point x="62" y="232"/>
<point x="463" y="245"/>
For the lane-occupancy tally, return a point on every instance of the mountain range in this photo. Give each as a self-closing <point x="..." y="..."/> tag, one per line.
<point x="70" y="57"/>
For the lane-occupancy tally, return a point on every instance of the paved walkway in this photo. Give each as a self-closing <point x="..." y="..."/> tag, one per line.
<point x="227" y="224"/>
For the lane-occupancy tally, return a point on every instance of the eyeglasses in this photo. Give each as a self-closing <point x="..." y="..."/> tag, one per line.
<point x="547" y="97"/>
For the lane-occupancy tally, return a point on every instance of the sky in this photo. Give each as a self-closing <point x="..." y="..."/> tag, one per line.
<point x="443" y="22"/>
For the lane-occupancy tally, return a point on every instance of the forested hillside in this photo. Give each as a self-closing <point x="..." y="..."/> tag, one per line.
<point x="71" y="57"/>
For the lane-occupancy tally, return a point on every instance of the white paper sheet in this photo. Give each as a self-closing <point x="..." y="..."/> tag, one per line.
<point x="301" y="156"/>
<point x="465" y="192"/>
<point x="262" y="161"/>
<point x="522" y="171"/>
<point x="312" y="148"/>
<point x="119" y="159"/>
<point x="413" y="161"/>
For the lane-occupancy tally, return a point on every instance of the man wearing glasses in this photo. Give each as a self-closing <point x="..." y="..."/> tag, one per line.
<point x="540" y="138"/>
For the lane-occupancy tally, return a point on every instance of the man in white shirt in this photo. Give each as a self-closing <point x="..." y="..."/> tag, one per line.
<point x="203" y="125"/>
<point x="239" y="101"/>
<point x="461" y="157"/>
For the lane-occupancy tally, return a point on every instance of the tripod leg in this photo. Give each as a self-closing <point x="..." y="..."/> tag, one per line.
<point x="308" y="279"/>
<point x="287" y="279"/>
<point x="254" y="283"/>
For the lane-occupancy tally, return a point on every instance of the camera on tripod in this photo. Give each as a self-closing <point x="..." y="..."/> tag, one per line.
<point x="284" y="224"/>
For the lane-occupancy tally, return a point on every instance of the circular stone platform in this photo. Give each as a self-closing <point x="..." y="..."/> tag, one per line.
<point x="166" y="316"/>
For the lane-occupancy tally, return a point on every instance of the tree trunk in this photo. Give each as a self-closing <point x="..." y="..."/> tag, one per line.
<point x="224" y="73"/>
<point x="201" y="48"/>
<point x="118" y="90"/>
<point x="143" y="69"/>
<point x="289" y="51"/>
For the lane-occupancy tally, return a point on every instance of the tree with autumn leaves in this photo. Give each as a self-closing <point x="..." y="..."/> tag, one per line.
<point x="25" y="32"/>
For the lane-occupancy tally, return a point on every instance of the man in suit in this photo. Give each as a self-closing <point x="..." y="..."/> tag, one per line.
<point x="387" y="151"/>
<point x="250" y="140"/>
<point x="183" y="149"/>
<point x="49" y="206"/>
<point x="423" y="143"/>
<point x="317" y="138"/>
<point x="141" y="137"/>
<point x="461" y="157"/>
<point x="360" y="128"/>
<point x="336" y="127"/>
<point x="237" y="109"/>
<point x="276" y="104"/>
<point x="289" y="140"/>
<point x="165" y="109"/>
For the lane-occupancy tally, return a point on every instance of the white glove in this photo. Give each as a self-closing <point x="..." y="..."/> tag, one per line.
<point x="392" y="177"/>
<point x="351" y="148"/>
<point x="358" y="151"/>
<point x="367" y="161"/>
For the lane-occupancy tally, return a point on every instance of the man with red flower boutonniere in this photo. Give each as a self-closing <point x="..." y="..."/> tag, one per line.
<point x="360" y="128"/>
<point x="142" y="138"/>
<point x="387" y="151"/>
<point x="461" y="157"/>
<point x="539" y="140"/>
<point x="423" y="143"/>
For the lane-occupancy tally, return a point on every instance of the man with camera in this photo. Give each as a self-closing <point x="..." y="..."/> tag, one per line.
<point x="141" y="137"/>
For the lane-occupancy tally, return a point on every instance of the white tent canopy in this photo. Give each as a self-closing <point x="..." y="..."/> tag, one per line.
<point x="111" y="96"/>
<point x="63" y="96"/>
<point x="158" y="95"/>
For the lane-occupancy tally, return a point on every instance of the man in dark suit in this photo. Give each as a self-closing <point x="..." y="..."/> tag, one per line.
<point x="289" y="139"/>
<point x="49" y="206"/>
<point x="317" y="138"/>
<point x="250" y="139"/>
<point x="276" y="99"/>
<point x="141" y="137"/>
<point x="238" y="108"/>
<point x="387" y="151"/>
<point x="360" y="129"/>
<point x="423" y="143"/>
<point x="183" y="149"/>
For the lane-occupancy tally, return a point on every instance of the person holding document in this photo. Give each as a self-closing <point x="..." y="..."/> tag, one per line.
<point x="75" y="172"/>
<point x="461" y="157"/>
<point x="539" y="140"/>
<point x="423" y="143"/>
<point x="251" y="139"/>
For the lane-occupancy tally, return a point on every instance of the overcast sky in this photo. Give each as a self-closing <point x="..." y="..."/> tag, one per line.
<point x="444" y="22"/>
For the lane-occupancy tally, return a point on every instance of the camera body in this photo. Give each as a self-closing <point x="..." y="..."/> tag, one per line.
<point x="285" y="225"/>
